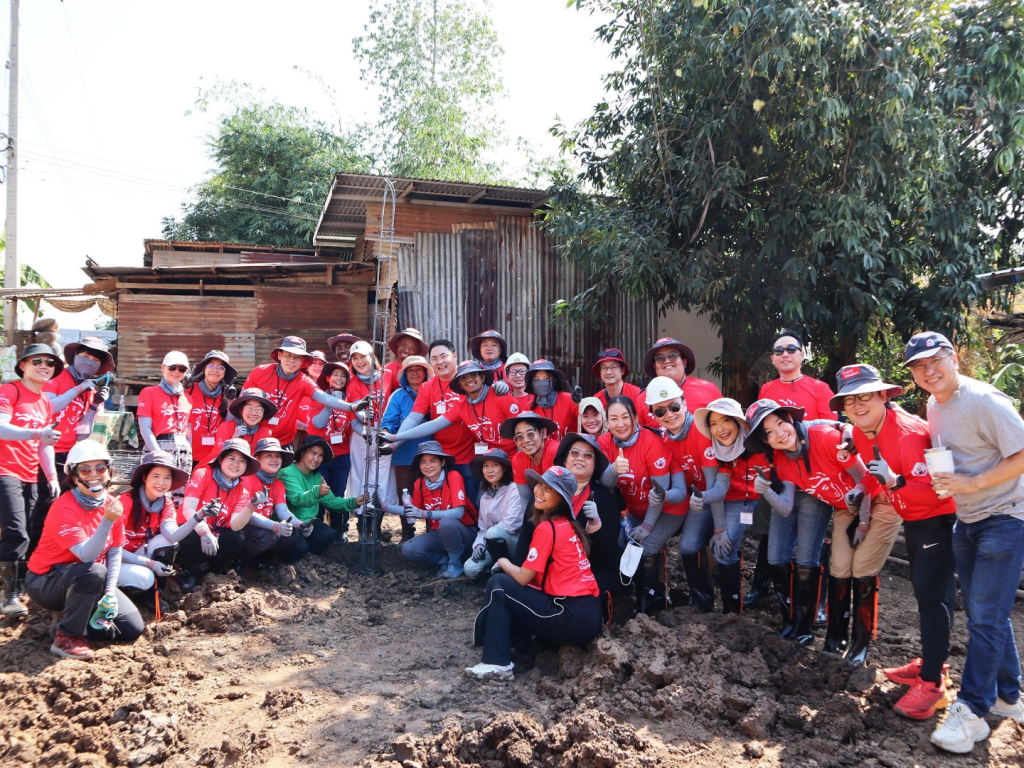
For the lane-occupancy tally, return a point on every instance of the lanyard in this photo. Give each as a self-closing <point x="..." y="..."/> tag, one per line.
<point x="209" y="410"/>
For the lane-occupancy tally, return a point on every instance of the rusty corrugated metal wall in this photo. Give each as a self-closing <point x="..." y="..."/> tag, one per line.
<point x="507" y="278"/>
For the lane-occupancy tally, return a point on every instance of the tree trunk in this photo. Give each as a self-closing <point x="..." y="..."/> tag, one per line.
<point x="736" y="369"/>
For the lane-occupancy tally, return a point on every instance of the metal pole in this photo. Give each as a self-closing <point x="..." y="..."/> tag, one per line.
<point x="11" y="273"/>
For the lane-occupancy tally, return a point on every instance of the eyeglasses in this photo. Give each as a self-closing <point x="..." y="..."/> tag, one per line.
<point x="522" y="438"/>
<point x="253" y="406"/>
<point x="613" y="366"/>
<point x="576" y="453"/>
<point x="97" y="469"/>
<point x="920" y="365"/>
<point x="660" y="411"/>
<point x="791" y="349"/>
<point x="178" y="368"/>
<point x="668" y="357"/>
<point x="848" y="401"/>
<point x="517" y="373"/>
<point x="216" y="368"/>
<point x="44" y="362"/>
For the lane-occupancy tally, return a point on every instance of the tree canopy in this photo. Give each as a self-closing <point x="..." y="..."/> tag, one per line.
<point x="807" y="163"/>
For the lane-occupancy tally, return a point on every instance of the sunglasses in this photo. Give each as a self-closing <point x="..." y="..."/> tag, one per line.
<point x="668" y="357"/>
<point x="585" y="455"/>
<point x="178" y="368"/>
<point x="660" y="411"/>
<point x="791" y="349"/>
<point x="45" y="362"/>
<point x="98" y="469"/>
<point x="848" y="401"/>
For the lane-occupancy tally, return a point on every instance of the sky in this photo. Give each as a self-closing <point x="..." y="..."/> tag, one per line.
<point x="107" y="144"/>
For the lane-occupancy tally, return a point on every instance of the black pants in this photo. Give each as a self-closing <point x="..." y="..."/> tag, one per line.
<point x="513" y="613"/>
<point x="17" y="500"/>
<point x="229" y="550"/>
<point x="261" y="544"/>
<point x="74" y="589"/>
<point x="37" y="518"/>
<point x="322" y="537"/>
<point x="930" y="552"/>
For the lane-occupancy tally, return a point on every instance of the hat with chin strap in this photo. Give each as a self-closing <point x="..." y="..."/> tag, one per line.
<point x="665" y="343"/>
<point x="467" y="367"/>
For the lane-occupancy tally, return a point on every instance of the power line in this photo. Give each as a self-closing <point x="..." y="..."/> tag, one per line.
<point x="78" y="66"/>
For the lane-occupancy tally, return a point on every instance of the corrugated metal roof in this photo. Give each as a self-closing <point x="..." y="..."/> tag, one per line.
<point x="151" y="245"/>
<point x="990" y="280"/>
<point x="98" y="272"/>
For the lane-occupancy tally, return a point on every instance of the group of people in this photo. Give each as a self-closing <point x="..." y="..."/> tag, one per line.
<point x="559" y="500"/>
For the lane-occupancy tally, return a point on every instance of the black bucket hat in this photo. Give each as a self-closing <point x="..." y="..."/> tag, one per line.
<point x="312" y="440"/>
<point x="570" y="439"/>
<point x="242" y="446"/>
<point x="273" y="445"/>
<point x="431" y="448"/>
<point x="252" y="393"/>
<point x="94" y="345"/>
<point x="757" y="413"/>
<point x="470" y="366"/>
<point x="476" y="464"/>
<point x="179" y="477"/>
<point x="548" y="367"/>
<point x="474" y="344"/>
<point x="667" y="341"/>
<point x="40" y="349"/>
<point x="860" y="379"/>
<point x="230" y="374"/>
<point x="323" y="379"/>
<point x="559" y="479"/>
<point x="508" y="426"/>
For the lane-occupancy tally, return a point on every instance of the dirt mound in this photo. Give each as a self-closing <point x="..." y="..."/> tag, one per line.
<point x="224" y="604"/>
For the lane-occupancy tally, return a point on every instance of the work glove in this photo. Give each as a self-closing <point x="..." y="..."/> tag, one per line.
<point x="363" y="404"/>
<point x="210" y="509"/>
<point x="762" y="484"/>
<point x="241" y="430"/>
<point x="846" y="443"/>
<point x="880" y="470"/>
<point x="721" y="545"/>
<point x="160" y="569"/>
<point x="101" y="395"/>
<point x="479" y="553"/>
<point x="261" y="497"/>
<point x="306" y="529"/>
<point x="89" y="385"/>
<point x="589" y="511"/>
<point x="640" y="533"/>
<point x="49" y="435"/>
<point x="500" y="388"/>
<point x="210" y="545"/>
<point x="413" y="512"/>
<point x="657" y="495"/>
<point x="696" y="499"/>
<point x="857" y="532"/>
<point x="577" y="394"/>
<point x="285" y="529"/>
<point x="103" y="615"/>
<point x="54" y="487"/>
<point x="854" y="499"/>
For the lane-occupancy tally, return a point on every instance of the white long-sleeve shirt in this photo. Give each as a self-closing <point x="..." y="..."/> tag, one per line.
<point x="503" y="508"/>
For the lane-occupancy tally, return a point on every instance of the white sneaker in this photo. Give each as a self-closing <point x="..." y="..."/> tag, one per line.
<point x="490" y="672"/>
<point x="961" y="730"/>
<point x="1002" y="709"/>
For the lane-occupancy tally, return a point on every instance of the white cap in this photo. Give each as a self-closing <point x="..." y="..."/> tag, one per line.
<point x="361" y="348"/>
<point x="660" y="389"/>
<point x="86" y="450"/>
<point x="175" y="358"/>
<point x="517" y="358"/>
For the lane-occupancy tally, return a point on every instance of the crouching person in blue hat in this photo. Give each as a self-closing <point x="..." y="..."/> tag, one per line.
<point x="553" y="595"/>
<point x="501" y="512"/>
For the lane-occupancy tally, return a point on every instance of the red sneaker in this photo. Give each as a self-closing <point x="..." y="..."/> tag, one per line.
<point x="71" y="647"/>
<point x="910" y="673"/>
<point x="923" y="700"/>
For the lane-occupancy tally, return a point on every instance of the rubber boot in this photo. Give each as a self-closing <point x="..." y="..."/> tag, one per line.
<point x="821" y="618"/>
<point x="782" y="584"/>
<point x="837" y="637"/>
<point x="661" y="579"/>
<point x="408" y="530"/>
<point x="730" y="584"/>
<point x="865" y="614"/>
<point x="12" y="576"/>
<point x="698" y="574"/>
<point x="806" y="587"/>
<point x="761" y="584"/>
<point x="645" y="580"/>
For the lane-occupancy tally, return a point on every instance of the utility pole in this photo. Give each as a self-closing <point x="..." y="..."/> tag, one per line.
<point x="11" y="272"/>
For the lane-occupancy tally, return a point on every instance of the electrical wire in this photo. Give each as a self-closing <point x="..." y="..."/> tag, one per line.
<point x="81" y="78"/>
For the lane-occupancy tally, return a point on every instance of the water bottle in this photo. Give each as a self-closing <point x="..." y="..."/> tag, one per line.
<point x="407" y="502"/>
<point x="626" y="527"/>
<point x="120" y="403"/>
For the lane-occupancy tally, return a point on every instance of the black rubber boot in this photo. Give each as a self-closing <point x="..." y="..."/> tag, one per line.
<point x="761" y="584"/>
<point x="806" y="586"/>
<point x="821" y="618"/>
<point x="408" y="530"/>
<point x="702" y="593"/>
<point x="865" y="613"/>
<point x="12" y="601"/>
<point x="730" y="584"/>
<point x="645" y="580"/>
<point x="837" y="637"/>
<point x="782" y="584"/>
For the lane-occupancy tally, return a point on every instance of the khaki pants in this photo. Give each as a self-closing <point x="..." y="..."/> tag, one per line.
<point x="869" y="557"/>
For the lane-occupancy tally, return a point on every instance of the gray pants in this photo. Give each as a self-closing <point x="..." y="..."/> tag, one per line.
<point x="75" y="588"/>
<point x="665" y="527"/>
<point x="450" y="543"/>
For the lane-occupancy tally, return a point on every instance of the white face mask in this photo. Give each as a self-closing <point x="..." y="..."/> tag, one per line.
<point x="85" y="366"/>
<point x="630" y="561"/>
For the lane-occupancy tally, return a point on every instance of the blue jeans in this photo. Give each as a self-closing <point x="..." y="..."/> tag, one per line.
<point x="335" y="472"/>
<point x="989" y="556"/>
<point x="698" y="528"/>
<point x="804" y="528"/>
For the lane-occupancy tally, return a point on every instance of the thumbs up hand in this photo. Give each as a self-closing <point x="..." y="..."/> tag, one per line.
<point x="621" y="464"/>
<point x="761" y="483"/>
<point x="881" y="471"/>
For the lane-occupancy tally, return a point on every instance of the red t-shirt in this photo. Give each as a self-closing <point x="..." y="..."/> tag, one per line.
<point x="226" y="431"/>
<point x="647" y="458"/>
<point x="452" y="493"/>
<point x="698" y="393"/>
<point x="338" y="429"/>
<point x="436" y="398"/>
<point x="254" y="485"/>
<point x="286" y="394"/>
<point x="691" y="455"/>
<point x="742" y="472"/>
<point x="519" y="403"/>
<point x="639" y="398"/>
<point x="29" y="410"/>
<point x="357" y="390"/>
<point x="484" y="419"/>
<point x="73" y="412"/>
<point x="521" y="462"/>
<point x="806" y="392"/>
<point x="395" y="367"/>
<point x="568" y="572"/>
<point x="150" y="527"/>
<point x="67" y="524"/>
<point x="565" y="413"/>
<point x="827" y="478"/>
<point x="171" y="415"/>
<point x="202" y="486"/>
<point x="206" y="421"/>
<point x="902" y="442"/>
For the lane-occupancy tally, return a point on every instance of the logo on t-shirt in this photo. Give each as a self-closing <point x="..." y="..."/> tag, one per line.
<point x="920" y="469"/>
<point x="462" y="496"/>
<point x="660" y="463"/>
<point x="709" y="452"/>
<point x="842" y="455"/>
<point x="533" y="554"/>
<point x="514" y="408"/>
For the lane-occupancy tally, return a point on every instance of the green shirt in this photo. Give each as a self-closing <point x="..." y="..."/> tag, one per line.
<point x="302" y="493"/>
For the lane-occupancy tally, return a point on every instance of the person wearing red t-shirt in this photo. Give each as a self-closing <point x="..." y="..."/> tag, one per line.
<point x="435" y="398"/>
<point x="612" y="369"/>
<point x="491" y="350"/>
<point x="336" y="428"/>
<point x="75" y="568"/>
<point x="286" y="386"/>
<point x="212" y="376"/>
<point x="165" y="413"/>
<point x="251" y="414"/>
<point x="546" y="383"/>
<point x="272" y="529"/>
<point x="439" y="497"/>
<point x="810" y="459"/>
<point x="536" y="450"/>
<point x="673" y="359"/>
<point x="894" y="443"/>
<point x="26" y="447"/>
<point x="405" y="344"/>
<point x="516" y="368"/>
<point x="552" y="595"/>
<point x="218" y="491"/>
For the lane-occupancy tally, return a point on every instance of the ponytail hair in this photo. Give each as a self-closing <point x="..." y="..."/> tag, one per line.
<point x="561" y="510"/>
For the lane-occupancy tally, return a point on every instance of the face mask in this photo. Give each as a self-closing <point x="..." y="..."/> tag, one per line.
<point x="630" y="561"/>
<point x="85" y="366"/>
<point x="542" y="388"/>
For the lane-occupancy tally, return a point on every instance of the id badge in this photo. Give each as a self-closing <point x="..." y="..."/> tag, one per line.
<point x="335" y="439"/>
<point x="747" y="516"/>
<point x="441" y="408"/>
<point x="480" y="448"/>
<point x="209" y="440"/>
<point x="83" y="429"/>
<point x="275" y="421"/>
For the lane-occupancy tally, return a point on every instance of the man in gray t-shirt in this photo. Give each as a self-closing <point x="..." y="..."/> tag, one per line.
<point x="986" y="436"/>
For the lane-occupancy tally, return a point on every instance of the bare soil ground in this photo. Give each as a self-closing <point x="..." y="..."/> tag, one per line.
<point x="316" y="665"/>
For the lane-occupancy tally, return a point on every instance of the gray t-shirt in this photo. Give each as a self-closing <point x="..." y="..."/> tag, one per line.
<point x="981" y="426"/>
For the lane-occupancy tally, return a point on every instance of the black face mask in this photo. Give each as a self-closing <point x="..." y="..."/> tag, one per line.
<point x="543" y="388"/>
